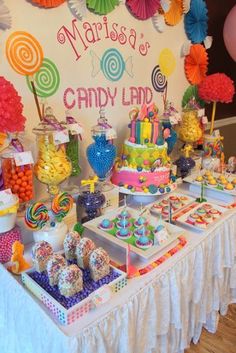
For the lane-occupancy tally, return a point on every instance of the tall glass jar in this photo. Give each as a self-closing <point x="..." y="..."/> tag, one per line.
<point x="18" y="178"/>
<point x="52" y="166"/>
<point x="101" y="153"/>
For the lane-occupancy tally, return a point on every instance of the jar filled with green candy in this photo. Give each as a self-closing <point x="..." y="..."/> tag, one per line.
<point x="72" y="147"/>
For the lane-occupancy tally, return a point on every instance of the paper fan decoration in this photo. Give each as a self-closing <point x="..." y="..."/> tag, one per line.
<point x="190" y="93"/>
<point x="158" y="22"/>
<point x="5" y="18"/>
<point x="48" y="3"/>
<point x="167" y="62"/>
<point x="195" y="21"/>
<point x="196" y="63"/>
<point x="78" y="8"/>
<point x="174" y="15"/>
<point x="102" y="7"/>
<point x="143" y="9"/>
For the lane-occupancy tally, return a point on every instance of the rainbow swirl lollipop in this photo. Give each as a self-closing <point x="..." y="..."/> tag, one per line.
<point x="36" y="216"/>
<point x="61" y="205"/>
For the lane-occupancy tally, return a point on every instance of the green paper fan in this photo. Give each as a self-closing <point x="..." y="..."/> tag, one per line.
<point x="102" y="7"/>
<point x="192" y="91"/>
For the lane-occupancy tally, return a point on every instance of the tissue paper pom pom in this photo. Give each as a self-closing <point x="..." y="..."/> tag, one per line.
<point x="217" y="88"/>
<point x="11" y="118"/>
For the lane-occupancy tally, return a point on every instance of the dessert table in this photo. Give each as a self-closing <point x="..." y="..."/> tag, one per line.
<point x="160" y="312"/>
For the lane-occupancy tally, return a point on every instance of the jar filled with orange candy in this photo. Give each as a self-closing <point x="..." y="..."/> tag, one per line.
<point x="17" y="175"/>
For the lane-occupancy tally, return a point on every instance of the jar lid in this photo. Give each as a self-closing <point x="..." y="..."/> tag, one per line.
<point x="48" y="124"/>
<point x="102" y="127"/>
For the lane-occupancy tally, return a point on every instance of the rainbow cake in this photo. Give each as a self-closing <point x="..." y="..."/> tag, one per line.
<point x="144" y="165"/>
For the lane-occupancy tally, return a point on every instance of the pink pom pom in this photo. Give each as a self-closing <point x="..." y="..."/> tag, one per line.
<point x="132" y="139"/>
<point x="166" y="133"/>
<point x="146" y="162"/>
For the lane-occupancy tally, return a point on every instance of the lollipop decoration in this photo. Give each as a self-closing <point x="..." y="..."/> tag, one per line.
<point x="36" y="216"/>
<point x="61" y="205"/>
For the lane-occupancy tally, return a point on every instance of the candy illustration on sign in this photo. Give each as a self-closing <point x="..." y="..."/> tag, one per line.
<point x="112" y="65"/>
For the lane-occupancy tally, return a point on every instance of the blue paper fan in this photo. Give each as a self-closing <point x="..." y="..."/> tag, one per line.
<point x="195" y="21"/>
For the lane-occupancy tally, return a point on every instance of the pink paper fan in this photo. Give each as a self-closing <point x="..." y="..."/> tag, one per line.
<point x="143" y="9"/>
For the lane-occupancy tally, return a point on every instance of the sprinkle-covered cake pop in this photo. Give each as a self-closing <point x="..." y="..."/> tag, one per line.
<point x="99" y="264"/>
<point x="106" y="224"/>
<point x="140" y="221"/>
<point x="41" y="253"/>
<point x="123" y="233"/>
<point x="54" y="267"/>
<point x="70" y="242"/>
<point x="83" y="250"/>
<point x="70" y="281"/>
<point x="144" y="242"/>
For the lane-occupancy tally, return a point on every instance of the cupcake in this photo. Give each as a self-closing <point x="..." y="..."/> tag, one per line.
<point x="208" y="218"/>
<point x="165" y="211"/>
<point x="212" y="182"/>
<point x="41" y="253"/>
<point x="164" y="203"/>
<point x="141" y="231"/>
<point x="99" y="264"/>
<point x="156" y="208"/>
<point x="124" y="214"/>
<point x="106" y="224"/>
<point x="199" y="178"/>
<point x="173" y="198"/>
<point x="54" y="267"/>
<point x="215" y="213"/>
<point x="200" y="223"/>
<point x="70" y="281"/>
<point x="83" y="250"/>
<point x="123" y="233"/>
<point x="192" y="218"/>
<point x="70" y="242"/>
<point x="144" y="242"/>
<point x="201" y="211"/>
<point x="140" y="221"/>
<point x="207" y="207"/>
<point x="123" y="223"/>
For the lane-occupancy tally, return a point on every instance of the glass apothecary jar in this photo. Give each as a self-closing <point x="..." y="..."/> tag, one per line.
<point x="52" y="166"/>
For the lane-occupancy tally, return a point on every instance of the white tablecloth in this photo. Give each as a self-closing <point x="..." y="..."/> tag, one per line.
<point x="160" y="312"/>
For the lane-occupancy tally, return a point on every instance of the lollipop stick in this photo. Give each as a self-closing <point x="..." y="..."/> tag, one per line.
<point x="213" y="117"/>
<point x="36" y="99"/>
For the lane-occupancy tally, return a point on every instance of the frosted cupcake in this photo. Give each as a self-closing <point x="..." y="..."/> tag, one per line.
<point x="123" y="233"/>
<point x="200" y="223"/>
<point x="156" y="209"/>
<point x="192" y="218"/>
<point x="214" y="213"/>
<point x="208" y="218"/>
<point x="201" y="211"/>
<point x="142" y="231"/>
<point x="144" y="242"/>
<point x="124" y="214"/>
<point x="123" y="223"/>
<point x="106" y="224"/>
<point x="229" y="186"/>
<point x="141" y="221"/>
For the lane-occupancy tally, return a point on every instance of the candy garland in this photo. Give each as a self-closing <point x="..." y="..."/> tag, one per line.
<point x="37" y="214"/>
<point x="158" y="262"/>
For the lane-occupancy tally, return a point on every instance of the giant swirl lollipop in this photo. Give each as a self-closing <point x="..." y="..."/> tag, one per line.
<point x="36" y="216"/>
<point x="61" y="205"/>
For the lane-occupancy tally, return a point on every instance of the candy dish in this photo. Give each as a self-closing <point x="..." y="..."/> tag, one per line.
<point x="201" y="221"/>
<point x="111" y="236"/>
<point x="68" y="310"/>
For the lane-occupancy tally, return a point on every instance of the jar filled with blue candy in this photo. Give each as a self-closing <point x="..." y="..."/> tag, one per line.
<point x="101" y="153"/>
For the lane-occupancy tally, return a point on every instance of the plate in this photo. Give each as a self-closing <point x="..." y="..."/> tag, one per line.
<point x="218" y="188"/>
<point x="183" y="217"/>
<point x="175" y="208"/>
<point x="174" y="232"/>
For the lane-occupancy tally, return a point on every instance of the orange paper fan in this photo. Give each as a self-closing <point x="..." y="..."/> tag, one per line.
<point x="48" y="3"/>
<point x="174" y="15"/>
<point x="196" y="63"/>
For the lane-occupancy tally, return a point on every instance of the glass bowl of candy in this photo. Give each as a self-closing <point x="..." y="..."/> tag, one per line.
<point x="52" y="166"/>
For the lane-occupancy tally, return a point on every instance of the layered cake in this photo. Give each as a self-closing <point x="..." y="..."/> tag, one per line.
<point x="144" y="165"/>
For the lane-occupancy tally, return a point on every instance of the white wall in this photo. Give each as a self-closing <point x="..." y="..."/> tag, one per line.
<point x="44" y="25"/>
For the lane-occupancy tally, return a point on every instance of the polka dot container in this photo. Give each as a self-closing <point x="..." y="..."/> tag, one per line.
<point x="67" y="316"/>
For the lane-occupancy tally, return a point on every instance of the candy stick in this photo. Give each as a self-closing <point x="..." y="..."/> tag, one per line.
<point x="36" y="98"/>
<point x="213" y="117"/>
<point x="91" y="183"/>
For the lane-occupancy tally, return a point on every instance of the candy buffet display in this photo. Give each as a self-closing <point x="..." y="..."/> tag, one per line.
<point x="143" y="233"/>
<point x="177" y="200"/>
<point x="144" y="165"/>
<point x="68" y="290"/>
<point x="216" y="181"/>
<point x="91" y="198"/>
<point x="101" y="153"/>
<point x="201" y="217"/>
<point x="48" y="224"/>
<point x="52" y="166"/>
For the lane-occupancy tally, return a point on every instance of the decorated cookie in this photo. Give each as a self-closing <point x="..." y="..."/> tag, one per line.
<point x="83" y="250"/>
<point x="99" y="264"/>
<point x="70" y="242"/>
<point x="70" y="281"/>
<point x="41" y="253"/>
<point x="54" y="267"/>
